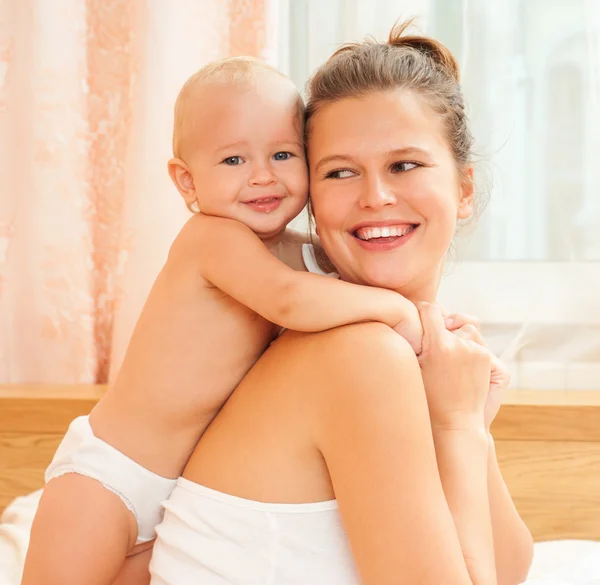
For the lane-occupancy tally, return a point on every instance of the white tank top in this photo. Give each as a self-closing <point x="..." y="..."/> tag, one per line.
<point x="310" y="261"/>
<point x="210" y="538"/>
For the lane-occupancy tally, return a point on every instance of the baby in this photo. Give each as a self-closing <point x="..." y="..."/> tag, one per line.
<point x="234" y="277"/>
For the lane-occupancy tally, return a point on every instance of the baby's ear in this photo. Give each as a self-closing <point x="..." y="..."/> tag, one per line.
<point x="182" y="178"/>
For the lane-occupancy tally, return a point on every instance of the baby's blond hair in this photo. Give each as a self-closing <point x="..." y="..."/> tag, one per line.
<point x="240" y="72"/>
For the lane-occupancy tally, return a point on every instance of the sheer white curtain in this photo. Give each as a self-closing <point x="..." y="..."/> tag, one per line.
<point x="531" y="74"/>
<point x="87" y="210"/>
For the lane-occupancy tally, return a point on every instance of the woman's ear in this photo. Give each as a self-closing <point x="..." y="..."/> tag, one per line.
<point x="465" y="205"/>
<point x="182" y="178"/>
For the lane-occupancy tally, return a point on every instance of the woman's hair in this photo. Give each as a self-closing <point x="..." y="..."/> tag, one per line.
<point x="415" y="63"/>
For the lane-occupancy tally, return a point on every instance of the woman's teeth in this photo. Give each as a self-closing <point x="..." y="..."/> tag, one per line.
<point x="388" y="231"/>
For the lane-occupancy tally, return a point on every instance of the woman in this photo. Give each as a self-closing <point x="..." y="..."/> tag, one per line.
<point x="340" y="458"/>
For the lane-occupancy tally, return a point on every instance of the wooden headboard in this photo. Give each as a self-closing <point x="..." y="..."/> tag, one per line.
<point x="33" y="420"/>
<point x="548" y="445"/>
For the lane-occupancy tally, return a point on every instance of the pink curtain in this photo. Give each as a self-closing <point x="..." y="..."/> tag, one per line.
<point x="87" y="211"/>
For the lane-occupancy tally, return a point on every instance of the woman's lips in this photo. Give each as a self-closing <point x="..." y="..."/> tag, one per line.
<point x="264" y="204"/>
<point x="384" y="238"/>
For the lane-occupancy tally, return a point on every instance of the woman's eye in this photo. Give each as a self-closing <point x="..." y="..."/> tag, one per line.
<point x="233" y="160"/>
<point x="401" y="167"/>
<point x="340" y="174"/>
<point x="282" y="155"/>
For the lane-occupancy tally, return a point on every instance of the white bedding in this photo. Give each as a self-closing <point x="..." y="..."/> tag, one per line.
<point x="560" y="562"/>
<point x="565" y="562"/>
<point x="15" y="523"/>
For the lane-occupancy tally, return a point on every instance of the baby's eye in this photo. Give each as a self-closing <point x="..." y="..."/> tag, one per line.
<point x="282" y="155"/>
<point x="402" y="167"/>
<point x="339" y="174"/>
<point x="233" y="160"/>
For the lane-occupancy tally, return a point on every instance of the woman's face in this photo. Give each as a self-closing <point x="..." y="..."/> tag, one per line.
<point x="385" y="191"/>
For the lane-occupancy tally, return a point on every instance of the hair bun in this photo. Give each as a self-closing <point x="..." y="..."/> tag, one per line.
<point x="435" y="50"/>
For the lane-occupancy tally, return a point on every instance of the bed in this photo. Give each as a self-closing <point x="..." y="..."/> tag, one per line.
<point x="548" y="446"/>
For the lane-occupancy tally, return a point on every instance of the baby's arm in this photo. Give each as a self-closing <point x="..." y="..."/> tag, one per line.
<point x="237" y="262"/>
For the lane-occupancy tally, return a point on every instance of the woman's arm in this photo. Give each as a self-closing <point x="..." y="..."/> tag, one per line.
<point x="513" y="544"/>
<point x="461" y="454"/>
<point x="374" y="432"/>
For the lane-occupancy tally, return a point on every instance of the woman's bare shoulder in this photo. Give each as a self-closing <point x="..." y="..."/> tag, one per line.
<point x="347" y="340"/>
<point x="349" y="354"/>
<point x="349" y="380"/>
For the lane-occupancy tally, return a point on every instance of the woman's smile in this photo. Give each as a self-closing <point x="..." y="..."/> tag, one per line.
<point x="383" y="236"/>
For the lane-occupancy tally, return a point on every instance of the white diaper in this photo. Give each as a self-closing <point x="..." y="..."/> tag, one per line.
<point x="141" y="490"/>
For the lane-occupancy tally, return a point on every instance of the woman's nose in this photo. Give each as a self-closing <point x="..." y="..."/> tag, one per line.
<point x="376" y="194"/>
<point x="261" y="175"/>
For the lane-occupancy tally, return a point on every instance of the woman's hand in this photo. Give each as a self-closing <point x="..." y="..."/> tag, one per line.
<point x="467" y="327"/>
<point x="456" y="373"/>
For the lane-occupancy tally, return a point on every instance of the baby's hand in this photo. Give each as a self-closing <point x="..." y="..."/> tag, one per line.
<point x="411" y="329"/>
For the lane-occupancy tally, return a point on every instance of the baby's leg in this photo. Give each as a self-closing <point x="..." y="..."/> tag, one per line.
<point x="99" y="504"/>
<point x="57" y="548"/>
<point x="98" y="507"/>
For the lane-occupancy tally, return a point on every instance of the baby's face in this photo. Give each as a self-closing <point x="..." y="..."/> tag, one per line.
<point x="247" y="157"/>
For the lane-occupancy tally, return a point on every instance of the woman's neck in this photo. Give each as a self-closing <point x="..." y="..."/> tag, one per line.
<point x="424" y="289"/>
<point x="420" y="294"/>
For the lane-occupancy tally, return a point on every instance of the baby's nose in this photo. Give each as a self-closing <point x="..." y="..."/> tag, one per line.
<point x="261" y="175"/>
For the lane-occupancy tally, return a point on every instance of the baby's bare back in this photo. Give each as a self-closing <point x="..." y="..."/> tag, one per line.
<point x="191" y="347"/>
